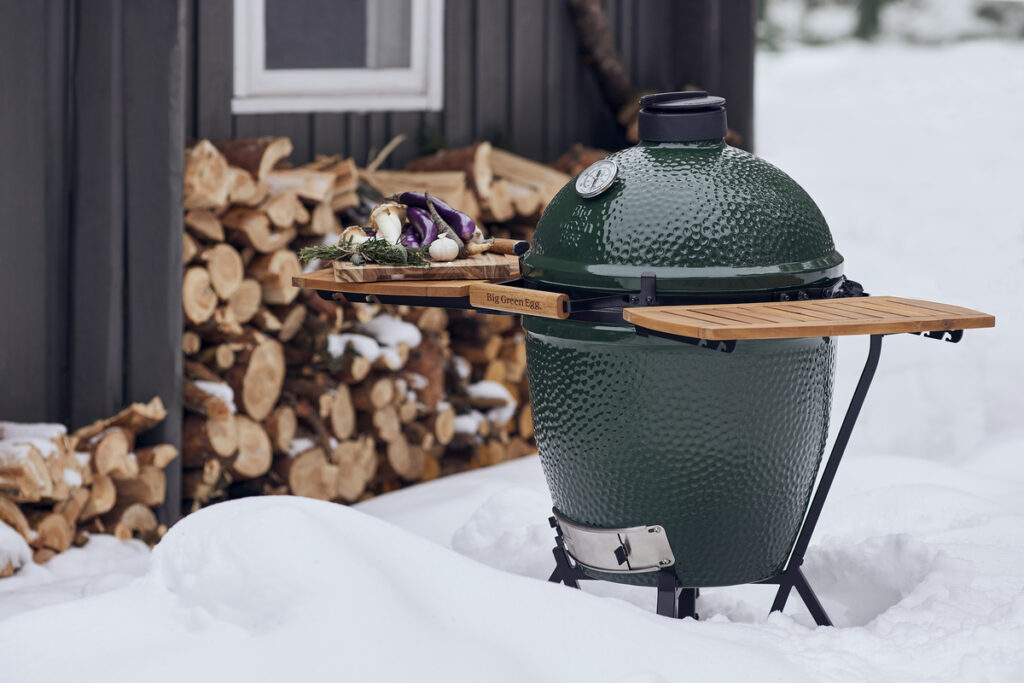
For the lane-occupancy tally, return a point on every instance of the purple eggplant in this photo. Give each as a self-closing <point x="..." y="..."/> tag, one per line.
<point x="420" y="221"/>
<point x="409" y="238"/>
<point x="461" y="224"/>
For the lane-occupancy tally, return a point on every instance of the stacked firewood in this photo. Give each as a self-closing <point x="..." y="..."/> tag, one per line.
<point x="56" y="488"/>
<point x="286" y="392"/>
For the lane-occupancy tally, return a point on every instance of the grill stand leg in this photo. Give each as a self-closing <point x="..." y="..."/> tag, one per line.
<point x="682" y="602"/>
<point x="793" y="577"/>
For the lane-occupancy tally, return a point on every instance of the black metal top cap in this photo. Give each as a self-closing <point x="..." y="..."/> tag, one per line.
<point x="682" y="117"/>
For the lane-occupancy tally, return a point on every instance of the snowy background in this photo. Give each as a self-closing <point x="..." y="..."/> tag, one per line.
<point x="914" y="155"/>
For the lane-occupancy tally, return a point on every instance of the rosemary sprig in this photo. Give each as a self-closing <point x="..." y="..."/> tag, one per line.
<point x="372" y="250"/>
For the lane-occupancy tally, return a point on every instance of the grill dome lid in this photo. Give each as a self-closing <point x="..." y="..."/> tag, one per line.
<point x="705" y="217"/>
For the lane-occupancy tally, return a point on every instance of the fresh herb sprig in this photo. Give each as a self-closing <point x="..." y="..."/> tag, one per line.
<point x="372" y="250"/>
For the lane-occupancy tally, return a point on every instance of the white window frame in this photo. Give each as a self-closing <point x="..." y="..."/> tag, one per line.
<point x="258" y="90"/>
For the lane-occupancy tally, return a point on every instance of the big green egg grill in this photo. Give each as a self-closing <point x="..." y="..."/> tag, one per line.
<point x="673" y="460"/>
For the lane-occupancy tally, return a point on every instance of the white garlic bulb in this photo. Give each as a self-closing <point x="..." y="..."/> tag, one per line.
<point x="444" y="248"/>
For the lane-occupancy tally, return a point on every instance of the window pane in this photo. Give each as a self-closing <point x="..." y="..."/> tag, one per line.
<point x="338" y="34"/>
<point x="315" y="34"/>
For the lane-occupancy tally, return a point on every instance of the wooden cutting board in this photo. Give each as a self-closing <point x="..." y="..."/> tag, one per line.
<point x="481" y="267"/>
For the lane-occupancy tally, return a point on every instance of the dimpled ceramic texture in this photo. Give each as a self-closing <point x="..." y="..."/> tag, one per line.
<point x="721" y="449"/>
<point x="703" y="216"/>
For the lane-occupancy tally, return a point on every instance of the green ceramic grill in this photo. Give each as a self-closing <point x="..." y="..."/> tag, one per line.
<point x="720" y="451"/>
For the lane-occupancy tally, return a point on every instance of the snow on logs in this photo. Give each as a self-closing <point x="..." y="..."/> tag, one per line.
<point x="285" y="392"/>
<point x="56" y="488"/>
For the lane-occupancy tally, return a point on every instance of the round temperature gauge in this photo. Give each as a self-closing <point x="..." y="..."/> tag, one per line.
<point x="596" y="178"/>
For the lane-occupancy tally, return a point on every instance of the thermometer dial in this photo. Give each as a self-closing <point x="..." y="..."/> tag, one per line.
<point x="596" y="178"/>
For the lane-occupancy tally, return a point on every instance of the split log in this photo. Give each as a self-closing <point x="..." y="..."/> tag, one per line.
<point x="257" y="378"/>
<point x="201" y="484"/>
<point x="245" y="302"/>
<point x="225" y="269"/>
<point x="199" y="401"/>
<point x="149" y="488"/>
<point x="357" y="463"/>
<point x="353" y="368"/>
<point x="204" y="225"/>
<point x="24" y="474"/>
<point x="207" y="435"/>
<point x="217" y="357"/>
<point x="206" y="177"/>
<point x="134" y="520"/>
<point x="189" y="249"/>
<point x="112" y="453"/>
<point x="474" y="160"/>
<point x="251" y="228"/>
<point x="407" y="461"/>
<point x="316" y="186"/>
<point x="578" y="158"/>
<point x="281" y="426"/>
<point x="382" y="421"/>
<point x="274" y="273"/>
<point x="448" y="186"/>
<point x="342" y="417"/>
<point x="190" y="343"/>
<point x="197" y="295"/>
<point x="102" y="496"/>
<point x="291" y="319"/>
<point x="373" y="393"/>
<point x="442" y="423"/>
<point x="344" y="200"/>
<point x="242" y="187"/>
<point x="12" y="516"/>
<point x="157" y="456"/>
<point x="258" y="156"/>
<point x="52" y="531"/>
<point x="254" y="450"/>
<point x="309" y="474"/>
<point x="322" y="220"/>
<point x="280" y="209"/>
<point x="522" y="171"/>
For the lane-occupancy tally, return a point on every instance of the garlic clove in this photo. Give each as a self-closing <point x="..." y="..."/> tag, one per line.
<point x="443" y="249"/>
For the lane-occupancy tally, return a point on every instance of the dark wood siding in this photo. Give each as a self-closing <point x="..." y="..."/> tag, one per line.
<point x="513" y="76"/>
<point x="90" y="251"/>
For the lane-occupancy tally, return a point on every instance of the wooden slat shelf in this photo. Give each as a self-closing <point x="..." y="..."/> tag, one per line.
<point x="324" y="279"/>
<point x="818" y="318"/>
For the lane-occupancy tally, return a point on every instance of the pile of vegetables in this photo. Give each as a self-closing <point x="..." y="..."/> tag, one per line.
<point x="409" y="229"/>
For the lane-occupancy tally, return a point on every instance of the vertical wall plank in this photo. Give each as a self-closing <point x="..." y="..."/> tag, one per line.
<point x="190" y="68"/>
<point x="527" y="101"/>
<point x="57" y="208"/>
<point x="329" y="133"/>
<point x="214" y="75"/>
<point x="97" y="239"/>
<point x="492" y="55"/>
<point x="555" y="51"/>
<point x="358" y="140"/>
<point x="736" y="66"/>
<point x="154" y="135"/>
<point x="459" y="92"/>
<point x="409" y="124"/>
<point x="24" y="247"/>
<point x="697" y="27"/>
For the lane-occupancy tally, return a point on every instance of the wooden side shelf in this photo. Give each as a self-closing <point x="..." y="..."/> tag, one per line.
<point x="324" y="280"/>
<point x="818" y="318"/>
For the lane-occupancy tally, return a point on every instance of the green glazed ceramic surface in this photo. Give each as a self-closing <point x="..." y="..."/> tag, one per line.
<point x="703" y="216"/>
<point x="721" y="449"/>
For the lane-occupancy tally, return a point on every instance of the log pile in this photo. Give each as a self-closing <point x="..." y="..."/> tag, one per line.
<point x="286" y="392"/>
<point x="56" y="488"/>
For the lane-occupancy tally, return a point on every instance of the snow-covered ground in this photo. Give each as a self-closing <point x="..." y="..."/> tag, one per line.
<point x="914" y="155"/>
